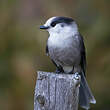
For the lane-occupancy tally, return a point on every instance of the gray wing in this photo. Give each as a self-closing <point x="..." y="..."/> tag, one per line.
<point x="85" y="95"/>
<point x="47" y="50"/>
<point x="83" y="55"/>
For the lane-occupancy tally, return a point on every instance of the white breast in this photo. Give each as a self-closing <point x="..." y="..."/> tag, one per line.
<point x="62" y="40"/>
<point x="65" y="50"/>
<point x="57" y="41"/>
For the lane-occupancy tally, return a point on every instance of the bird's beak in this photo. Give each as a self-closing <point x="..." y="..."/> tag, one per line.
<point x="44" y="27"/>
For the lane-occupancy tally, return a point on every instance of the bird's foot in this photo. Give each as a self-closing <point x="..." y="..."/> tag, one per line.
<point x="77" y="76"/>
<point x="77" y="79"/>
<point x="58" y="71"/>
<point x="70" y="72"/>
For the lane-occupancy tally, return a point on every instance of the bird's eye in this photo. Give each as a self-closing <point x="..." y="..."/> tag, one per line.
<point x="62" y="25"/>
<point x="53" y="24"/>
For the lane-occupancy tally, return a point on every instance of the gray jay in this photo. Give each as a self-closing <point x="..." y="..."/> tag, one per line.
<point x="65" y="47"/>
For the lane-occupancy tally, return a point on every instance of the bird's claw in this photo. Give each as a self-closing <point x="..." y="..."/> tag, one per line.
<point x="77" y="79"/>
<point x="77" y="76"/>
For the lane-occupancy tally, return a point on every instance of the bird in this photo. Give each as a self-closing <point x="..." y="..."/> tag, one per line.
<point x="65" y="47"/>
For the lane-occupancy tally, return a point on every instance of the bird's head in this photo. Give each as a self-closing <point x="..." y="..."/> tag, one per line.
<point x="60" y="25"/>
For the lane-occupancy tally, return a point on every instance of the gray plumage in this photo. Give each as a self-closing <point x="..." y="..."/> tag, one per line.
<point x="66" y="49"/>
<point x="67" y="53"/>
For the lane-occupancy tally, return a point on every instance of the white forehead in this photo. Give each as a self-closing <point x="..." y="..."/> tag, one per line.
<point x="49" y="21"/>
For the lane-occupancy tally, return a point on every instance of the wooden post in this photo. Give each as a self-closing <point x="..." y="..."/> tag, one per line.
<point x="56" y="91"/>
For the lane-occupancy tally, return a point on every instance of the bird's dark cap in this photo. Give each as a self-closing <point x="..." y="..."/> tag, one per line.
<point x="62" y="20"/>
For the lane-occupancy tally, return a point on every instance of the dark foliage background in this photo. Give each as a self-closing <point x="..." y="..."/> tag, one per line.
<point x="22" y="47"/>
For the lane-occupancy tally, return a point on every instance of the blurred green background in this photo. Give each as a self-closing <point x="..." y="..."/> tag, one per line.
<point x="22" y="47"/>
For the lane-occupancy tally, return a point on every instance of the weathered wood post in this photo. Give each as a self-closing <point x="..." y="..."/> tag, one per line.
<point x="56" y="91"/>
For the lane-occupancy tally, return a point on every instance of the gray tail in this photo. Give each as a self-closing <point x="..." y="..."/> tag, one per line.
<point x="85" y="94"/>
